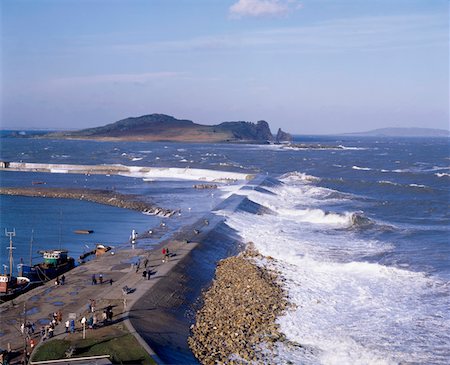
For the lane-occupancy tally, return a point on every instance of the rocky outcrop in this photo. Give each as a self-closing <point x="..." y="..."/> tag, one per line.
<point x="106" y="197"/>
<point x="238" y="314"/>
<point x="283" y="136"/>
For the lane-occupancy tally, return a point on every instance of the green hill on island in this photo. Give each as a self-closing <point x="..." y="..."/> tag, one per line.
<point x="161" y="127"/>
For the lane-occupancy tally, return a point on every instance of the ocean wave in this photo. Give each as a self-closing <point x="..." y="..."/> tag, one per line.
<point x="299" y="176"/>
<point x="417" y="186"/>
<point x="442" y="174"/>
<point x="352" y="148"/>
<point x="387" y="182"/>
<point x="346" y="311"/>
<point x="361" y="168"/>
<point x="321" y="217"/>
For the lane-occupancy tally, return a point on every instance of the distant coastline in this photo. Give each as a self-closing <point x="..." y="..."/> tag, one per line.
<point x="403" y="132"/>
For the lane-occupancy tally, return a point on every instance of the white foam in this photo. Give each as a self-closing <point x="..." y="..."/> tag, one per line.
<point x="352" y="148"/>
<point x="318" y="216"/>
<point x="417" y="186"/>
<point x="347" y="311"/>
<point x="442" y="174"/>
<point x="299" y="176"/>
<point x="387" y="182"/>
<point x="361" y="168"/>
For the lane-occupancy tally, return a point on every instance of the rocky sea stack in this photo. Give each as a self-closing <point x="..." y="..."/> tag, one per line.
<point x="283" y="137"/>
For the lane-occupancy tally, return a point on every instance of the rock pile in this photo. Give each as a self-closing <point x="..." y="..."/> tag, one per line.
<point x="238" y="314"/>
<point x="205" y="186"/>
<point x="97" y="196"/>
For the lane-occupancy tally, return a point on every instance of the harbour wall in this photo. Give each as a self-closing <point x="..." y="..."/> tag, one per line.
<point x="132" y="171"/>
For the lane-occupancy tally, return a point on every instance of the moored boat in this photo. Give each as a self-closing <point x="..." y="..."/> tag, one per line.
<point x="12" y="286"/>
<point x="84" y="231"/>
<point x="56" y="262"/>
<point x="100" y="249"/>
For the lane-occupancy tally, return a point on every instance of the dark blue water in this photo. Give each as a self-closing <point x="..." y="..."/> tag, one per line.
<point x="359" y="201"/>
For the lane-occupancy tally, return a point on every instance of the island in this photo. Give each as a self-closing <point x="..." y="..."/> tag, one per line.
<point x="161" y="127"/>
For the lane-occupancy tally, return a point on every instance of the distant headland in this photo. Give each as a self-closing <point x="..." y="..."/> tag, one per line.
<point x="161" y="127"/>
<point x="404" y="132"/>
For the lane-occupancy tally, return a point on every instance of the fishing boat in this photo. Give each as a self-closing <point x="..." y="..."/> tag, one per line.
<point x="56" y="263"/>
<point x="12" y="286"/>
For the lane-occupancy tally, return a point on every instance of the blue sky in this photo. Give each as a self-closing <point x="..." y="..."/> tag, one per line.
<point x="309" y="67"/>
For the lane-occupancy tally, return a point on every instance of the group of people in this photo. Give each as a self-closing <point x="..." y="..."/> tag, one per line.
<point x="28" y="328"/>
<point x="47" y="331"/>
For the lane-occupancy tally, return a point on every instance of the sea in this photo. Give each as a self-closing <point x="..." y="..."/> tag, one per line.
<point x="357" y="227"/>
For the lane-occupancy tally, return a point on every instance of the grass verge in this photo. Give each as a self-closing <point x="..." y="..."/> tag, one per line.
<point x="122" y="349"/>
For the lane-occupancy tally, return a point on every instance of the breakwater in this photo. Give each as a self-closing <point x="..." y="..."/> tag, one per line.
<point x="239" y="313"/>
<point x="106" y="197"/>
<point x="144" y="172"/>
<point x="174" y="301"/>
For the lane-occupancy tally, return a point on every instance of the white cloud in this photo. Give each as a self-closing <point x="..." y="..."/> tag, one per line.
<point x="257" y="8"/>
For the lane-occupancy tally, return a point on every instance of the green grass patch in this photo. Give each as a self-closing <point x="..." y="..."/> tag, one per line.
<point x="122" y="349"/>
<point x="51" y="350"/>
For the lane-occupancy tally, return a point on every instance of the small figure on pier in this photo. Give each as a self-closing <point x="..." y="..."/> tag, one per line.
<point x="133" y="236"/>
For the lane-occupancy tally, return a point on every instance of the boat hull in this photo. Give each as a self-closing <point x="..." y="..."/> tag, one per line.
<point x="42" y="272"/>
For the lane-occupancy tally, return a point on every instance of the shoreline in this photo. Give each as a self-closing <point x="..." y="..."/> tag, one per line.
<point x="105" y="197"/>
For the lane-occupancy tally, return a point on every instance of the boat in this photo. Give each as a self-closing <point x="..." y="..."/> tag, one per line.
<point x="56" y="263"/>
<point x="84" y="231"/>
<point x="12" y="286"/>
<point x="100" y="249"/>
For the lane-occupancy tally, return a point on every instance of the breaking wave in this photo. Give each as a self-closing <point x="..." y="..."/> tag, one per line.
<point x="346" y="310"/>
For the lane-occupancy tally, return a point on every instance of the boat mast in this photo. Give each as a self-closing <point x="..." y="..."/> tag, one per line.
<point x="31" y="247"/>
<point x="60" y="227"/>
<point x="10" y="234"/>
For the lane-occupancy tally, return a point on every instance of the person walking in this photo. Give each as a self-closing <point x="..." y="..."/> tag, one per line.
<point x="63" y="280"/>
<point x="67" y="326"/>
<point x="167" y="254"/>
